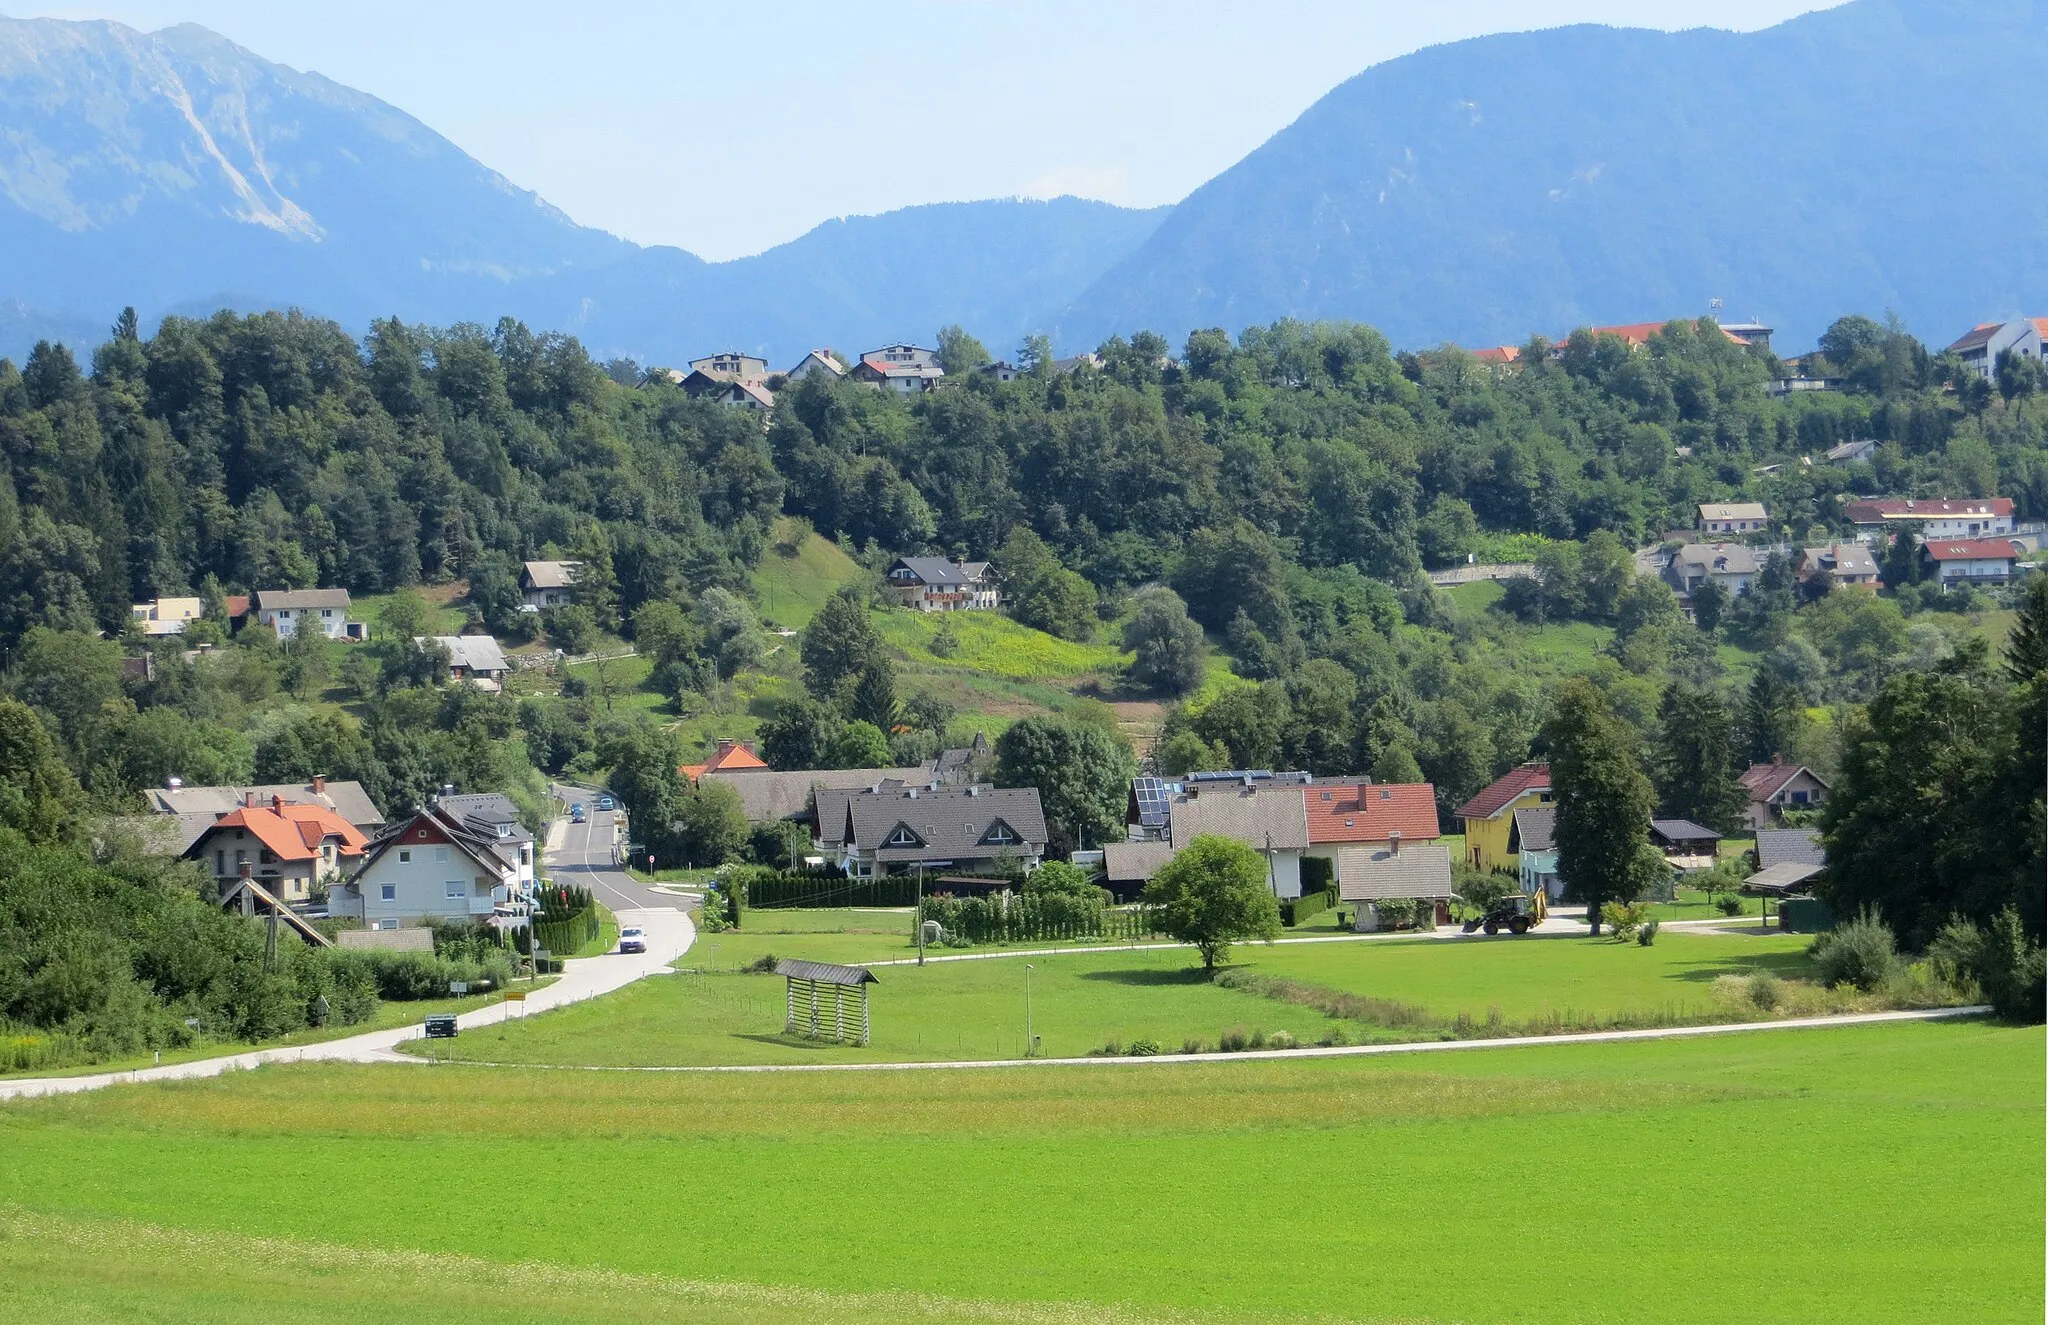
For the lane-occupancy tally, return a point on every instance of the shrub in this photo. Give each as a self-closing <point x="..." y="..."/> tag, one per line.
<point x="1282" y="1040"/>
<point x="1623" y="918"/>
<point x="1258" y="1040"/>
<point x="761" y="965"/>
<point x="1647" y="934"/>
<point x="1232" y="1041"/>
<point x="1859" y="952"/>
<point x="1334" y="1037"/>
<point x="1111" y="1048"/>
<point x="1143" y="1048"/>
<point x="2001" y="963"/>
<point x="1764" y="991"/>
<point x="1193" y="1045"/>
<point x="1729" y="906"/>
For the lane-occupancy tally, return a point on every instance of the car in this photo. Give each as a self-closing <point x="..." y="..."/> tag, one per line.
<point x="606" y="803"/>
<point x="576" y="813"/>
<point x="632" y="939"/>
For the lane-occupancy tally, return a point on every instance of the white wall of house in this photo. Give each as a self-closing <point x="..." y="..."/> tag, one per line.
<point x="1984" y="570"/>
<point x="286" y="621"/>
<point x="409" y="883"/>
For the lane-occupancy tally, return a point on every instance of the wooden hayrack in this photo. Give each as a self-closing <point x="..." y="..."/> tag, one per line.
<point x="806" y="1016"/>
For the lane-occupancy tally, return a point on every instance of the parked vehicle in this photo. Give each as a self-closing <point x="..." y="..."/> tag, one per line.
<point x="1515" y="913"/>
<point x="632" y="939"/>
<point x="576" y="813"/>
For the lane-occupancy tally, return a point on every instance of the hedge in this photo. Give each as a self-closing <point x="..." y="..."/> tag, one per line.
<point x="1301" y="908"/>
<point x="769" y="889"/>
<point x="1007" y="917"/>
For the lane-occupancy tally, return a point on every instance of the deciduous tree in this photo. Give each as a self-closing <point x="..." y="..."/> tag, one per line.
<point x="1214" y="893"/>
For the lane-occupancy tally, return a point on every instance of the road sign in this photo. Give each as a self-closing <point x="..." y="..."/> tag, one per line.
<point x="458" y="986"/>
<point x="542" y="954"/>
<point x="515" y="996"/>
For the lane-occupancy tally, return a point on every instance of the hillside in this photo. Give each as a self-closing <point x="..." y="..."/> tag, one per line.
<point x="1534" y="182"/>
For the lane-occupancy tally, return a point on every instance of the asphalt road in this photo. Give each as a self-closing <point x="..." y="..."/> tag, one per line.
<point x="585" y="857"/>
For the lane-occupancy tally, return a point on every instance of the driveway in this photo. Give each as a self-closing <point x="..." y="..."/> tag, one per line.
<point x="583" y="856"/>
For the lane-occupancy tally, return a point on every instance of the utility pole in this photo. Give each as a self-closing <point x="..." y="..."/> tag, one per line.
<point x="917" y="914"/>
<point x="1030" y="1040"/>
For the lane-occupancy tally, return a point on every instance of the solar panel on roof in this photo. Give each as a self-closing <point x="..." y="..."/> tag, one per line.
<point x="1152" y="801"/>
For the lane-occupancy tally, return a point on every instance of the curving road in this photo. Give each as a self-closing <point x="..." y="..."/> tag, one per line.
<point x="576" y="852"/>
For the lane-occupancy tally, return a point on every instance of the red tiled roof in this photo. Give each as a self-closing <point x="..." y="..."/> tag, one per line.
<point x="237" y="606"/>
<point x="1973" y="549"/>
<point x="1371" y="812"/>
<point x="1887" y="508"/>
<point x="1763" y="781"/>
<point x="1502" y="793"/>
<point x="295" y="832"/>
<point x="1498" y="354"/>
<point x="732" y="755"/>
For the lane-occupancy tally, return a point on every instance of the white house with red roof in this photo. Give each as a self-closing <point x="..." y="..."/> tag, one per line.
<point x="1937" y="517"/>
<point x="1953" y="561"/>
<point x="906" y="369"/>
<point x="1777" y="787"/>
<point x="1980" y="347"/>
<point x="1351" y="812"/>
<point x="463" y="857"/>
<point x="290" y="848"/>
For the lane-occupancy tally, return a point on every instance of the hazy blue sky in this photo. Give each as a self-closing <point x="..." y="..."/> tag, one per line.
<point x="727" y="128"/>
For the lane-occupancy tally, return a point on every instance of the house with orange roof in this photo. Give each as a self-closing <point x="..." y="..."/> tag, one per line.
<point x="730" y="757"/>
<point x="291" y="848"/>
<point x="1349" y="812"/>
<point x="1489" y="817"/>
<point x="1980" y="346"/>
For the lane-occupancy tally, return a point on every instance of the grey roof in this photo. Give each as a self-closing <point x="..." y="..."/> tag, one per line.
<point x="1129" y="862"/>
<point x="795" y="968"/>
<point x="1537" y="828"/>
<point x="1372" y="874"/>
<point x="551" y="574"/>
<point x="1681" y="830"/>
<point x="160" y="834"/>
<point x="485" y="813"/>
<point x="347" y="799"/>
<point x="766" y="795"/>
<point x="951" y="822"/>
<point x="1716" y="559"/>
<point x="1841" y="559"/>
<point x="272" y="600"/>
<point x="476" y="653"/>
<point x="1275" y="817"/>
<point x="1781" y="879"/>
<point x="1795" y="846"/>
<point x="943" y="570"/>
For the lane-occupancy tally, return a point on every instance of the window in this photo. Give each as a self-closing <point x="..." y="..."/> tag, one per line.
<point x="220" y="862"/>
<point x="454" y="888"/>
<point x="998" y="834"/>
<point x="385" y="924"/>
<point x="405" y="855"/>
<point x="440" y="855"/>
<point x="387" y="892"/>
<point x="903" y="837"/>
<point x="483" y="887"/>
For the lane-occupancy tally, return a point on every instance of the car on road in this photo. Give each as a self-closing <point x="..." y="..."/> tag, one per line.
<point x="632" y="939"/>
<point x="576" y="813"/>
<point x="606" y="803"/>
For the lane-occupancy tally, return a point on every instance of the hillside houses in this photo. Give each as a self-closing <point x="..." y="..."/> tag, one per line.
<point x="1956" y="562"/>
<point x="462" y="857"/>
<point x="891" y="828"/>
<point x="547" y="584"/>
<point x="906" y="369"/>
<point x="1842" y="565"/>
<point x="322" y="611"/>
<point x="1979" y="347"/>
<point x="940" y="584"/>
<point x="1730" y="565"/>
<point x="1942" y="517"/>
<point x="166" y="616"/>
<point x="1733" y="518"/>
<point x="474" y="659"/>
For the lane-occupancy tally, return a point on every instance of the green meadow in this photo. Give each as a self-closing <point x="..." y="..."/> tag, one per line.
<point x="1087" y="998"/>
<point x="1865" y="1174"/>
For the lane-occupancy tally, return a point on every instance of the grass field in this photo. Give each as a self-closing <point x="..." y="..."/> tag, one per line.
<point x="1885" y="1173"/>
<point x="1083" y="999"/>
<point x="795" y="579"/>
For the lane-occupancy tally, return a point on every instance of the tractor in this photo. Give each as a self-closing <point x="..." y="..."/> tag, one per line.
<point x="1515" y="913"/>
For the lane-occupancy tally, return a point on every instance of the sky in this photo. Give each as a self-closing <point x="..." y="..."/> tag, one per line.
<point x="726" y="128"/>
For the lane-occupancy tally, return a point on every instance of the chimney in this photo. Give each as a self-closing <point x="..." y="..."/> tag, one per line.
<point x="1394" y="842"/>
<point x="277" y="805"/>
<point x="173" y="784"/>
<point x="319" y="784"/>
<point x="248" y="800"/>
<point x="245" y="869"/>
<point x="725" y="747"/>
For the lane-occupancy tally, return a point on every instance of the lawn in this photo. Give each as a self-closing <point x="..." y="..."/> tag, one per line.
<point x="794" y="579"/>
<point x="991" y="644"/>
<point x="1882" y="1173"/>
<point x="1085" y="998"/>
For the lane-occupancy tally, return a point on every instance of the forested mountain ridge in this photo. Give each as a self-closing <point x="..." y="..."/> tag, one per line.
<point x="1479" y="191"/>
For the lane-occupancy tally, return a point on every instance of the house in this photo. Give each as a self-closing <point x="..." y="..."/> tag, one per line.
<point x="1346" y="812"/>
<point x="1971" y="517"/>
<point x="1952" y="561"/>
<point x="549" y="583"/>
<point x="940" y="584"/>
<point x="1488" y="818"/>
<point x="1794" y="846"/>
<point x="1742" y="517"/>
<point x="166" y="616"/>
<point x="752" y="394"/>
<point x="476" y="659"/>
<point x="1370" y="875"/>
<point x="904" y="368"/>
<point x="462" y="857"/>
<point x="967" y="830"/>
<point x="1533" y="839"/>
<point x="322" y="610"/>
<point x="964" y="765"/>
<point x="730" y="366"/>
<point x="1002" y="370"/>
<point x="1777" y="787"/>
<point x="199" y="806"/>
<point x="1842" y="563"/>
<point x="817" y="361"/>
<point x="1687" y="845"/>
<point x="767" y="796"/>
<point x="291" y="849"/>
<point x="1730" y="565"/>
<point x="1272" y="821"/>
<point x="1075" y="362"/>
<point x="1800" y="383"/>
<point x="1637" y="334"/>
<point x="1128" y="866"/>
<point x="1849" y="453"/>
<point x="1980" y="347"/>
<point x="728" y="756"/>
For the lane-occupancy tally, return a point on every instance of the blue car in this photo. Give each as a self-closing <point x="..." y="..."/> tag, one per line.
<point x="606" y="803"/>
<point x="576" y="813"/>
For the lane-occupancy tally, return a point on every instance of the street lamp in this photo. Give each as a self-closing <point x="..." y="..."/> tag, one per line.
<point x="1030" y="1041"/>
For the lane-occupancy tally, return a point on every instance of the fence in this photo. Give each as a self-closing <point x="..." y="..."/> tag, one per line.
<point x="1034" y="918"/>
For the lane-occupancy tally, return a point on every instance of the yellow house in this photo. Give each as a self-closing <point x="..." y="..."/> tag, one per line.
<point x="1489" y="817"/>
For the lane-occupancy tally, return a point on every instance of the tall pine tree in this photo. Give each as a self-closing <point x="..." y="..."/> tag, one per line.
<point x="1603" y="801"/>
<point x="1695" y="759"/>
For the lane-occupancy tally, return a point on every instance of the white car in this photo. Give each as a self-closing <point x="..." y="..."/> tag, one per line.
<point x="632" y="939"/>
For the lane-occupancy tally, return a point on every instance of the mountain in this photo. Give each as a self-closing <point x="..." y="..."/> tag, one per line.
<point x="1888" y="154"/>
<point x="178" y="172"/>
